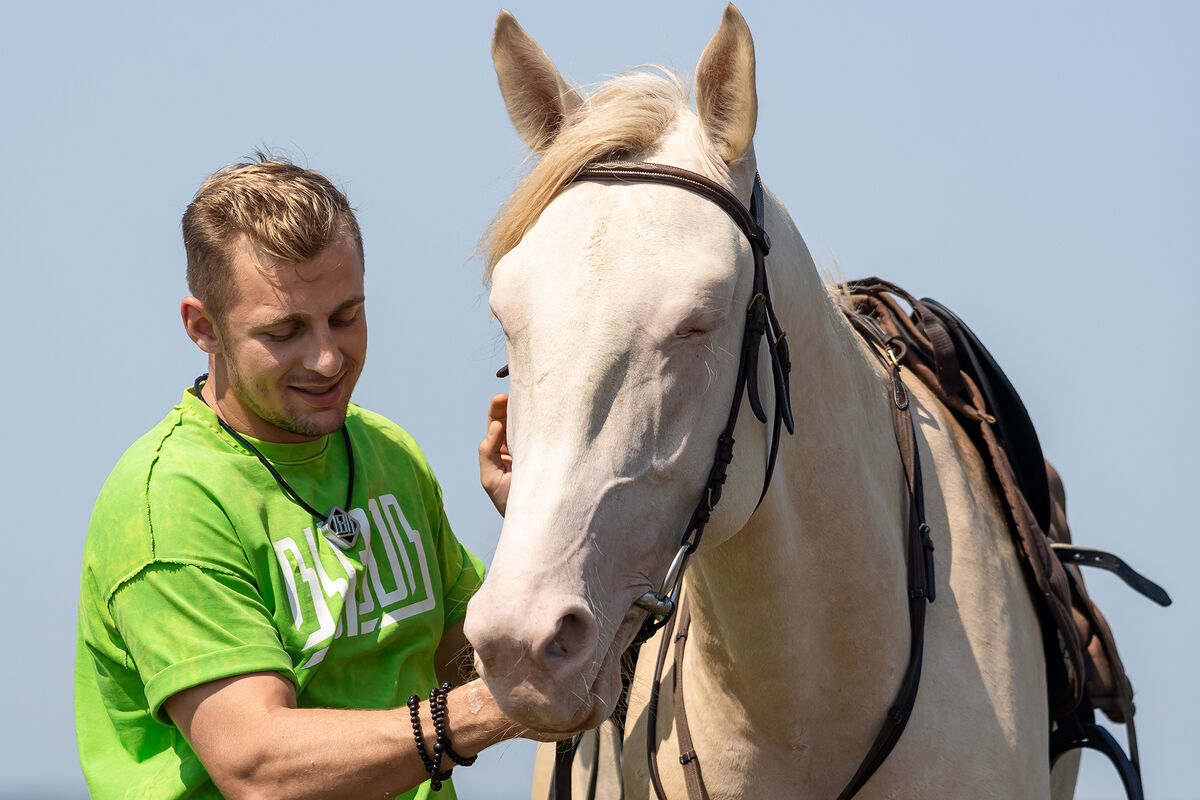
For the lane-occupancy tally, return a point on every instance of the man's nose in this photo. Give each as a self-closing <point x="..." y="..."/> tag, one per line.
<point x="324" y="356"/>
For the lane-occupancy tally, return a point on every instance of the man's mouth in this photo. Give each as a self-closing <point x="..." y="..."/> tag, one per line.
<point x="326" y="395"/>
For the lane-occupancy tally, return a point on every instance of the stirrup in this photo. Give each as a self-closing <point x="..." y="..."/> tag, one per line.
<point x="1091" y="736"/>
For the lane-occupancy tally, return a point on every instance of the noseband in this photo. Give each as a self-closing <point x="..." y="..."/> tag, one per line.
<point x="760" y="320"/>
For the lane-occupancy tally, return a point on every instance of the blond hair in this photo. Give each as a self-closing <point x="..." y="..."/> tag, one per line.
<point x="622" y="119"/>
<point x="288" y="212"/>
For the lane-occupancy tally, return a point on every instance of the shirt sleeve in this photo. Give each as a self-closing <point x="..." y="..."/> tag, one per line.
<point x="216" y="626"/>
<point x="462" y="570"/>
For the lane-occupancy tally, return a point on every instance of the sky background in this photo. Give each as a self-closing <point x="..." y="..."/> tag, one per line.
<point x="1032" y="165"/>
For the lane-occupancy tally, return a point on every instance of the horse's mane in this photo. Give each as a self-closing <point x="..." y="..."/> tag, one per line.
<point x="621" y="118"/>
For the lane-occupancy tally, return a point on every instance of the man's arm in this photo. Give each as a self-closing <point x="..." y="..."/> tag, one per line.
<point x="255" y="742"/>
<point x="454" y="659"/>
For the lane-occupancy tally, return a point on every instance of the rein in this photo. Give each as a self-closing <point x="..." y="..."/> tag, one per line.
<point x="661" y="606"/>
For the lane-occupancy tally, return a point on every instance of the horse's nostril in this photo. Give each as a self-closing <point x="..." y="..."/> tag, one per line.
<point x="572" y="642"/>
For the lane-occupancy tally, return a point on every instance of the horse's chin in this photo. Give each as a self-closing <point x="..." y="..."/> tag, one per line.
<point x="550" y="711"/>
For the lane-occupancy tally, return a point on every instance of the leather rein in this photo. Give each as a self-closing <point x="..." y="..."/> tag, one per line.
<point x="760" y="320"/>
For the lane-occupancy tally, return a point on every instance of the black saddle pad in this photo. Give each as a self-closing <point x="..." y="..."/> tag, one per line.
<point x="1013" y="427"/>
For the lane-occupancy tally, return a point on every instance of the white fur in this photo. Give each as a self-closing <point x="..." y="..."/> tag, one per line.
<point x="622" y="307"/>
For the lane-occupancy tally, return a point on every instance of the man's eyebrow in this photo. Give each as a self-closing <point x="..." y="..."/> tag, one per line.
<point x="353" y="301"/>
<point x="289" y="319"/>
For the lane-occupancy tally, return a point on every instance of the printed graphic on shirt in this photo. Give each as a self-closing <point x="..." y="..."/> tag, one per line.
<point x="392" y="583"/>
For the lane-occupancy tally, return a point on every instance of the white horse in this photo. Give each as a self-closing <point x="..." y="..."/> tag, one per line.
<point x="623" y="309"/>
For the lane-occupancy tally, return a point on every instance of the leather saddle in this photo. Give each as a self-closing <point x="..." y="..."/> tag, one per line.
<point x="1084" y="670"/>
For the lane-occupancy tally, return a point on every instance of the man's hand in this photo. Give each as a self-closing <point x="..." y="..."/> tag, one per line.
<point x="495" y="464"/>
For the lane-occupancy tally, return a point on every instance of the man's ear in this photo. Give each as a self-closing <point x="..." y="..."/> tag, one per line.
<point x="198" y="323"/>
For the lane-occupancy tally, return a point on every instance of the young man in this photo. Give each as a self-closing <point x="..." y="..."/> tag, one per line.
<point x="268" y="573"/>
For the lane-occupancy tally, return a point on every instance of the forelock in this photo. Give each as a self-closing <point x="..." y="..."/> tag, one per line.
<point x="620" y="119"/>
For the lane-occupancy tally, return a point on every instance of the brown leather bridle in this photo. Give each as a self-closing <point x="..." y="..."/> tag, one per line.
<point x="760" y="320"/>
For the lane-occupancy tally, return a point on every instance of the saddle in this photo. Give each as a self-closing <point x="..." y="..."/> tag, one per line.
<point x="1084" y="671"/>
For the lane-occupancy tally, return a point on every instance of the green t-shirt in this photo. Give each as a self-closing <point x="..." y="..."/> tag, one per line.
<point x="198" y="567"/>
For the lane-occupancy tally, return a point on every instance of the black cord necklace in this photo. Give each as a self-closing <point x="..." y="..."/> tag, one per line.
<point x="338" y="526"/>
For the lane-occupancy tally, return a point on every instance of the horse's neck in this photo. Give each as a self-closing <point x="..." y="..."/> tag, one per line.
<point x="803" y="596"/>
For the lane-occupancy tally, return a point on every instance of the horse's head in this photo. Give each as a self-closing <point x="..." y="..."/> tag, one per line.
<point x="623" y="309"/>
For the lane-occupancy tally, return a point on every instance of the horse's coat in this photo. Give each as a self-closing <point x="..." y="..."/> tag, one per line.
<point x="622" y="307"/>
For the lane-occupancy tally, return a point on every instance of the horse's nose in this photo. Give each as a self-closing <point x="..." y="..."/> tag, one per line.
<point x="557" y="641"/>
<point x="539" y="655"/>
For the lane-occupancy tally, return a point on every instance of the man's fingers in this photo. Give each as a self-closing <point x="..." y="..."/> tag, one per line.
<point x="492" y="442"/>
<point x="497" y="410"/>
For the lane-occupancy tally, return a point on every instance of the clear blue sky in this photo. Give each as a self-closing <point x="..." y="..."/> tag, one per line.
<point x="1033" y="165"/>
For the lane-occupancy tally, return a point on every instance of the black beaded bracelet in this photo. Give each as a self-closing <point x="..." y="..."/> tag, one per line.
<point x="431" y="765"/>
<point x="443" y="737"/>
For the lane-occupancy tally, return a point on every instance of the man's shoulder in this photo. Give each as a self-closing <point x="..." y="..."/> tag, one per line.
<point x="163" y="471"/>
<point x="383" y="442"/>
<point x="178" y="437"/>
<point x="137" y="462"/>
<point x="379" y="429"/>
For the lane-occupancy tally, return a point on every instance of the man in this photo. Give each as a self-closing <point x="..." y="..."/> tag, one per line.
<point x="268" y="573"/>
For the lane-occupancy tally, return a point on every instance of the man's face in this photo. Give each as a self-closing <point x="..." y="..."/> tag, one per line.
<point x="293" y="342"/>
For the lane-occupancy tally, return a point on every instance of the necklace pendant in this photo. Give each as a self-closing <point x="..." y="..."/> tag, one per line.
<point x="340" y="528"/>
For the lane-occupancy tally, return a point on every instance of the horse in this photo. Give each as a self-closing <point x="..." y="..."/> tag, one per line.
<point x="623" y="307"/>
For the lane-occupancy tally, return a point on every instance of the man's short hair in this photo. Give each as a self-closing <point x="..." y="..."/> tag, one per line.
<point x="288" y="212"/>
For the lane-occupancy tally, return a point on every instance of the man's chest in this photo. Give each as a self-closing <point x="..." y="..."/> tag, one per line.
<point x="321" y="596"/>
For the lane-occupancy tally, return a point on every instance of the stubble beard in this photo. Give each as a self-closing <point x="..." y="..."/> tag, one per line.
<point x="246" y="393"/>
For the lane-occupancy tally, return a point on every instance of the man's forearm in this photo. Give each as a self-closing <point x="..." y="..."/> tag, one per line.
<point x="278" y="750"/>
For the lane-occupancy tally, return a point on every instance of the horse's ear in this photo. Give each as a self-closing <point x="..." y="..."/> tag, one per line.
<point x="537" y="96"/>
<point x="725" y="93"/>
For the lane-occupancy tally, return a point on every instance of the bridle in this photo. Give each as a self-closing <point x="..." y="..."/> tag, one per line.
<point x="761" y="320"/>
